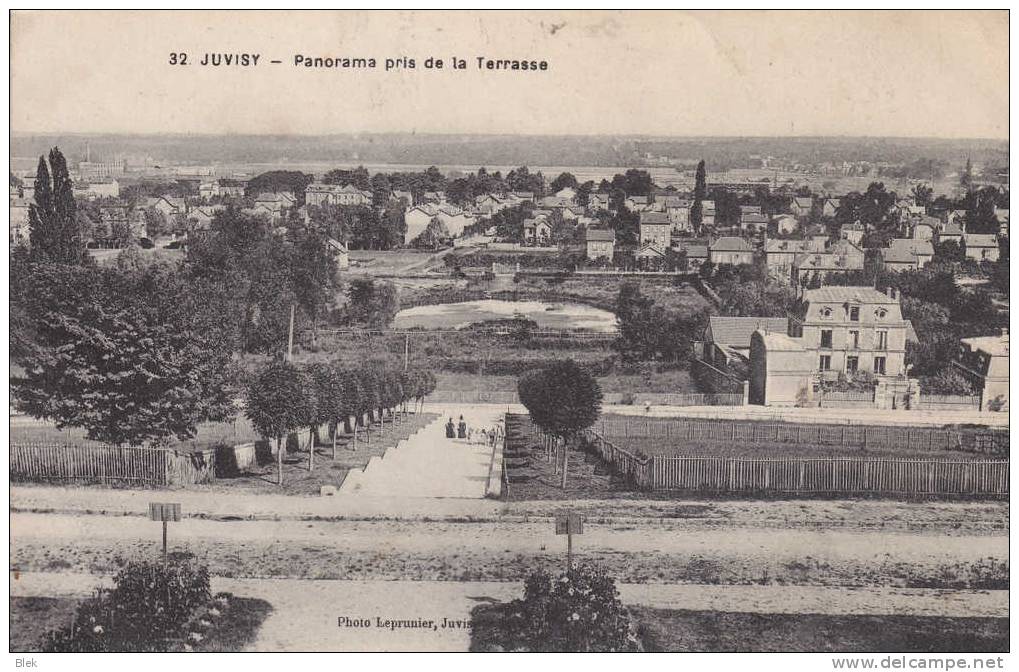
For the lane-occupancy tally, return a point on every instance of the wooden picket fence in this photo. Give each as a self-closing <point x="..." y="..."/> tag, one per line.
<point x="825" y="475"/>
<point x="992" y="442"/>
<point x="94" y="462"/>
<point x="848" y="476"/>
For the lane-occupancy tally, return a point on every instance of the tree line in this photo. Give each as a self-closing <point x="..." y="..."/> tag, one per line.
<point x="284" y="398"/>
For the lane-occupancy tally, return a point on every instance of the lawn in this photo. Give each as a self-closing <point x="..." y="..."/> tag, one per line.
<point x="30" y="430"/>
<point x="299" y="480"/>
<point x="668" y="630"/>
<point x="382" y="262"/>
<point x="684" y="631"/>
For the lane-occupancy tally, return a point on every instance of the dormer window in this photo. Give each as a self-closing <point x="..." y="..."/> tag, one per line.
<point x="881" y="313"/>
<point x="826" y="313"/>
<point x="854" y="314"/>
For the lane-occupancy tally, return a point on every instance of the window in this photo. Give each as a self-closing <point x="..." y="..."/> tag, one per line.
<point x="854" y="314"/>
<point x="854" y="340"/>
<point x="882" y="340"/>
<point x="881" y="313"/>
<point x="826" y="312"/>
<point x="826" y="338"/>
<point x="879" y="365"/>
<point x="852" y="364"/>
<point x="825" y="364"/>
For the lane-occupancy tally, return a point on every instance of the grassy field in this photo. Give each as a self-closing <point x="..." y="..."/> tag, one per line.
<point x="667" y="630"/>
<point x="382" y="262"/>
<point x="672" y="380"/>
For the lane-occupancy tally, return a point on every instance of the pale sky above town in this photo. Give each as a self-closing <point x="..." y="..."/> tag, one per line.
<point x="650" y="73"/>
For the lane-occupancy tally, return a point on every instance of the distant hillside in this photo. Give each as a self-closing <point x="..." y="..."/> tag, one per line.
<point x="720" y="153"/>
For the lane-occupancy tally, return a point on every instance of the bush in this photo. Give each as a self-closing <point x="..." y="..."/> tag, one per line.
<point x="146" y="610"/>
<point x="575" y="612"/>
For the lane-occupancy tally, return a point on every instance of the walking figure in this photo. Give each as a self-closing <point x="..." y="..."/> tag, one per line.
<point x="461" y="429"/>
<point x="450" y="429"/>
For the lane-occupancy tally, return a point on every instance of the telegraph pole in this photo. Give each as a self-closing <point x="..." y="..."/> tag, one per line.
<point x="290" y="337"/>
<point x="406" y="351"/>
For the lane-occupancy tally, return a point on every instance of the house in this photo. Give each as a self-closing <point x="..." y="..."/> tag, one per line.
<point x="983" y="360"/>
<point x="730" y="250"/>
<point x="981" y="246"/>
<point x="97" y="189"/>
<point x="555" y="202"/>
<point x="19" y="221"/>
<point x="201" y="217"/>
<point x="899" y="259"/>
<point x="955" y="217"/>
<point x="677" y="209"/>
<point x="753" y="222"/>
<point x="537" y="231"/>
<point x="922" y="252"/>
<point x="923" y="228"/>
<point x="596" y="202"/>
<point x="850" y="329"/>
<point x="636" y="203"/>
<point x="437" y="197"/>
<point x="400" y="195"/>
<point x="489" y="204"/>
<point x="274" y="205"/>
<point x="655" y="229"/>
<point x="853" y="233"/>
<point x="600" y="243"/>
<point x="830" y="207"/>
<point x="225" y="187"/>
<point x="785" y="224"/>
<point x="782" y="370"/>
<point x="801" y="205"/>
<point x="521" y="196"/>
<point x="750" y="210"/>
<point x="650" y="255"/>
<point x="696" y="255"/>
<point x="340" y="253"/>
<point x="1001" y="214"/>
<point x="418" y="217"/>
<point x="708" y="213"/>
<point x="319" y="194"/>
<point x="779" y="255"/>
<point x="169" y="206"/>
<point x="838" y="258"/>
<point x="728" y="338"/>
<point x="949" y="232"/>
<point x="567" y="193"/>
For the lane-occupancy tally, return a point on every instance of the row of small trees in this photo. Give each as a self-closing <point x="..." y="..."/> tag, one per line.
<point x="284" y="399"/>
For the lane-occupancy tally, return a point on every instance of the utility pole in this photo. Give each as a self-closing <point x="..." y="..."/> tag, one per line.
<point x="406" y="352"/>
<point x="290" y="337"/>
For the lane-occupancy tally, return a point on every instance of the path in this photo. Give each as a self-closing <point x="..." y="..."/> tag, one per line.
<point x="306" y="614"/>
<point x="427" y="464"/>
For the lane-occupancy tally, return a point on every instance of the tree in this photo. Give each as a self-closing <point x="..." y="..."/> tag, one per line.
<point x="370" y="302"/>
<point x="562" y="182"/>
<point x="922" y="194"/>
<point x="280" y="180"/>
<point x="276" y="405"/>
<point x="700" y="191"/>
<point x="156" y="223"/>
<point x="53" y="227"/>
<point x="563" y="399"/>
<point x="129" y="357"/>
<point x="327" y="393"/>
<point x="966" y="177"/>
<point x="433" y="236"/>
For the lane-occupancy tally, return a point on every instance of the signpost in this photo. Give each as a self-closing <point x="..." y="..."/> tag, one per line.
<point x="569" y="523"/>
<point x="163" y="512"/>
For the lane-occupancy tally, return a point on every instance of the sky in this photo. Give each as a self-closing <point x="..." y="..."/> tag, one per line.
<point x="737" y="73"/>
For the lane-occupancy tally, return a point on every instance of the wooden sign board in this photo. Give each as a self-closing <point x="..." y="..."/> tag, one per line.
<point x="569" y="523"/>
<point x="161" y="511"/>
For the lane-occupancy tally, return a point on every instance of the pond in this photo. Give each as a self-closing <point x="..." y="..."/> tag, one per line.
<point x="547" y="315"/>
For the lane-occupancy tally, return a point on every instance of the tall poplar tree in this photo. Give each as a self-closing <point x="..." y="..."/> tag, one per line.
<point x="54" y="231"/>
<point x="700" y="191"/>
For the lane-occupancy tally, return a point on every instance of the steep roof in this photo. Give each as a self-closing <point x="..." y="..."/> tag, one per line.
<point x="996" y="346"/>
<point x="837" y="294"/>
<point x="601" y="235"/>
<point x="981" y="240"/>
<point x="654" y="218"/>
<point x="899" y="255"/>
<point x="918" y="247"/>
<point x="736" y="331"/>
<point x="730" y="244"/>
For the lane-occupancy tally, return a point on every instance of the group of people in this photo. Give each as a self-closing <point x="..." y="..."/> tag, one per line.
<point x="461" y="430"/>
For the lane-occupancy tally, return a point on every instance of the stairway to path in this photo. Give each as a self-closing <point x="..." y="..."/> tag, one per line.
<point x="427" y="464"/>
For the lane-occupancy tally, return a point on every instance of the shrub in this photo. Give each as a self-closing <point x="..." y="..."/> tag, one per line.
<point x="578" y="611"/>
<point x="146" y="610"/>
